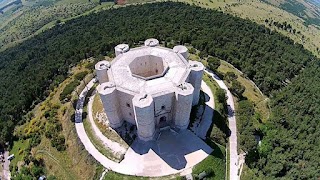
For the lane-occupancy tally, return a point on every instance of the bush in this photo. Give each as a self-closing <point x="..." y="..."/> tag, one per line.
<point x="230" y="76"/>
<point x="237" y="89"/>
<point x="221" y="96"/>
<point x="66" y="93"/>
<point x="245" y="114"/>
<point x="58" y="142"/>
<point x="80" y="76"/>
<point x="213" y="63"/>
<point x="35" y="140"/>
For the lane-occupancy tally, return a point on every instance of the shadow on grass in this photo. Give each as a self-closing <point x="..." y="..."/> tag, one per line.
<point x="221" y="123"/>
<point x="216" y="149"/>
<point x="213" y="167"/>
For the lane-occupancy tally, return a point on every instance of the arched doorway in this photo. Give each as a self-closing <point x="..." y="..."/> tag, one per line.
<point x="163" y="121"/>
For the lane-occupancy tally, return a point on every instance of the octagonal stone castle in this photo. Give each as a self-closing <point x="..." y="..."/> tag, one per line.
<point x="150" y="86"/>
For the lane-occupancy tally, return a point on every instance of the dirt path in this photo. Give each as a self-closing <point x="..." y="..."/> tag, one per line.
<point x="233" y="166"/>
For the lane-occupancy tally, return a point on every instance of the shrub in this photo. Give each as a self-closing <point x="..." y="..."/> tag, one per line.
<point x="35" y="140"/>
<point x="58" y="142"/>
<point x="81" y="75"/>
<point x="213" y="63"/>
<point x="68" y="90"/>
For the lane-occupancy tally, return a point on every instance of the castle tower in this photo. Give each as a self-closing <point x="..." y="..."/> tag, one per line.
<point x="183" y="104"/>
<point x="102" y="68"/>
<point x="181" y="50"/>
<point x="144" y="115"/>
<point x="121" y="48"/>
<point x="195" y="79"/>
<point x="108" y="95"/>
<point x="151" y="42"/>
<point x="152" y="87"/>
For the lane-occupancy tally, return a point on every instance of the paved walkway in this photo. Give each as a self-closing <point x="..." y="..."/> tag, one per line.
<point x="233" y="127"/>
<point x="83" y="135"/>
<point x="207" y="116"/>
<point x="172" y="153"/>
<point x="6" y="170"/>
<point x="114" y="146"/>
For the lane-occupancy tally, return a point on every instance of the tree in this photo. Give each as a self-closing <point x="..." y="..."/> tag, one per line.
<point x="237" y="89"/>
<point x="230" y="76"/>
<point x="213" y="63"/>
<point x="221" y="95"/>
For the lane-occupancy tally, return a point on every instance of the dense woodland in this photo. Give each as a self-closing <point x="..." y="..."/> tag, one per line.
<point x="281" y="69"/>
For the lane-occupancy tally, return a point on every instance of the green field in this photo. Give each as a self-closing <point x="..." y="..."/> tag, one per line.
<point x="19" y="151"/>
<point x="214" y="165"/>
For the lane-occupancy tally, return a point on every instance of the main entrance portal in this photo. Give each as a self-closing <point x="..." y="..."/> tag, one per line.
<point x="163" y="122"/>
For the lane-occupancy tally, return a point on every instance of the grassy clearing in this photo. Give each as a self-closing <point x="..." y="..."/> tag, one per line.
<point x="113" y="175"/>
<point x="57" y="163"/>
<point x="214" y="87"/>
<point x="97" y="109"/>
<point x="110" y="175"/>
<point x="97" y="142"/>
<point x="18" y="149"/>
<point x="251" y="92"/>
<point x="214" y="164"/>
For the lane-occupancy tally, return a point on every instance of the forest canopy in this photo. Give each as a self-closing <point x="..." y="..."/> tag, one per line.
<point x="280" y="68"/>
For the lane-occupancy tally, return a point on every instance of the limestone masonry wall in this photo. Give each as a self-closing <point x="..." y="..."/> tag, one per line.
<point x="149" y="86"/>
<point x="183" y="104"/>
<point x="108" y="95"/>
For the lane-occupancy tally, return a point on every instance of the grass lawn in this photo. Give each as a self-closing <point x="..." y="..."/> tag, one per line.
<point x="228" y="162"/>
<point x="213" y="85"/>
<point x="110" y="175"/>
<point x="97" y="108"/>
<point x="18" y="149"/>
<point x="214" y="164"/>
<point x="97" y="142"/>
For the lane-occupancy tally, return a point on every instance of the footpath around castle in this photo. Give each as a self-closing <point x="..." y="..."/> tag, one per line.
<point x="164" y="145"/>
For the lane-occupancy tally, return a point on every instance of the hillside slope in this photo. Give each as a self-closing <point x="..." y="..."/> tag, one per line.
<point x="282" y="69"/>
<point x="309" y="10"/>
